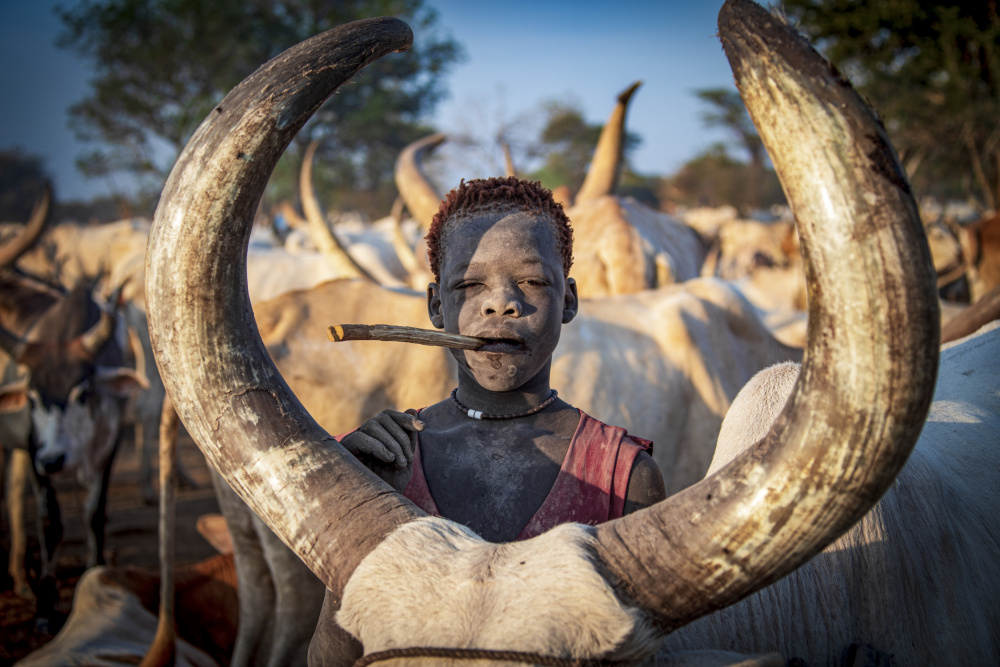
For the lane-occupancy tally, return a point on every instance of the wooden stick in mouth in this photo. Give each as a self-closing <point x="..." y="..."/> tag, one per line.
<point x="389" y="332"/>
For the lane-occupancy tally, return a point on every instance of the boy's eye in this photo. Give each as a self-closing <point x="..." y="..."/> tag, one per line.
<point x="534" y="282"/>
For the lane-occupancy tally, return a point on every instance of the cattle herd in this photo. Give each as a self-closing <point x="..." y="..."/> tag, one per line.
<point x="828" y="429"/>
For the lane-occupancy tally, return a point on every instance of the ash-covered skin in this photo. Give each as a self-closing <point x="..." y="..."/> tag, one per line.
<point x="502" y="280"/>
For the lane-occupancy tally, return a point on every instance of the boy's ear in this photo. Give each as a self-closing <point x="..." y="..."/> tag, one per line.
<point x="571" y="301"/>
<point x="434" y="305"/>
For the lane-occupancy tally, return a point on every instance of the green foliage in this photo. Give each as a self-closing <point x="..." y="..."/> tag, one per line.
<point x="567" y="144"/>
<point x="22" y="181"/>
<point x="162" y="65"/>
<point x="726" y="110"/>
<point x="932" y="70"/>
<point x="714" y="178"/>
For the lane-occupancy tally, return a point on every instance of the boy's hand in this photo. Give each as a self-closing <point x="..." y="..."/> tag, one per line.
<point x="384" y="444"/>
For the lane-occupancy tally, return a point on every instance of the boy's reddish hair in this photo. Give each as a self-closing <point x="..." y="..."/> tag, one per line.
<point x="491" y="194"/>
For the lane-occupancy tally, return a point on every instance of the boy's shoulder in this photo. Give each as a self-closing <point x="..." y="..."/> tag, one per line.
<point x="594" y="429"/>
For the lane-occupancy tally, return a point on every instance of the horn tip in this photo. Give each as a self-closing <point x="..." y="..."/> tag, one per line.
<point x="626" y="94"/>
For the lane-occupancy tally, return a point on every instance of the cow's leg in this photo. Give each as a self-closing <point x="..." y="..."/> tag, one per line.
<point x="95" y="512"/>
<point x="18" y="471"/>
<point x="147" y="408"/>
<point x="147" y="426"/>
<point x="143" y="449"/>
<point x="50" y="534"/>
<point x="299" y="599"/>
<point x="253" y="577"/>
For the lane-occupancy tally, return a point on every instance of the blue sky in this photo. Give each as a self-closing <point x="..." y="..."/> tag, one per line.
<point x="519" y="55"/>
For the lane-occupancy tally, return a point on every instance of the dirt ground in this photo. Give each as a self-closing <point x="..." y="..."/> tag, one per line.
<point x="131" y="539"/>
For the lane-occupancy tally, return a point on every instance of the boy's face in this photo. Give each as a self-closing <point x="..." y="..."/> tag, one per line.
<point x="502" y="279"/>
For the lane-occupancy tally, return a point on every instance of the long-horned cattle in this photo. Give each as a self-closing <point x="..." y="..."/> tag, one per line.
<point x="418" y="586"/>
<point x="62" y="399"/>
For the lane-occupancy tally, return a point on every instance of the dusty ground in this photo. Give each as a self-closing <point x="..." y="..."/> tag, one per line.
<point x="131" y="539"/>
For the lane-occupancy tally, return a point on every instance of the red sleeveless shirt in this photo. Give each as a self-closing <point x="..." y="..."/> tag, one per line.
<point x="590" y="487"/>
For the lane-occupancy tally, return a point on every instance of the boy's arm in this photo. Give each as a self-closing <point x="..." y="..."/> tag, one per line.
<point x="645" y="484"/>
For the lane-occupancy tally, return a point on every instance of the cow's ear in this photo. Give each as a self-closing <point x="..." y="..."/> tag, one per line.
<point x="121" y="381"/>
<point x="14" y="396"/>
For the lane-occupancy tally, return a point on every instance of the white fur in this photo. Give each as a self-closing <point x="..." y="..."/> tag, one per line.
<point x="754" y="409"/>
<point x="450" y="588"/>
<point x="917" y="576"/>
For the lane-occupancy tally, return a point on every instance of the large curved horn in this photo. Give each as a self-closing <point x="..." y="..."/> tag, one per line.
<point x="870" y="363"/>
<point x="414" y="187"/>
<point x="208" y="350"/>
<point x="606" y="166"/>
<point x="27" y="237"/>
<point x="325" y="240"/>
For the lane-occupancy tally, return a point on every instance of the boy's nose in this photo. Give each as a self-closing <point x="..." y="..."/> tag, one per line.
<point x="503" y="304"/>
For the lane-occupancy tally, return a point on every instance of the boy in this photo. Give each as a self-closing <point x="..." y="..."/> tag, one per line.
<point x="504" y="455"/>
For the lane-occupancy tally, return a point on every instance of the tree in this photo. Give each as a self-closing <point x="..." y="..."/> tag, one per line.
<point x="932" y="70"/>
<point x="726" y="110"/>
<point x="714" y="178"/>
<point x="162" y="65"/>
<point x="22" y="181"/>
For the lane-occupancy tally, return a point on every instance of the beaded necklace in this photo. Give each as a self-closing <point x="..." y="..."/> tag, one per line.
<point x="479" y="414"/>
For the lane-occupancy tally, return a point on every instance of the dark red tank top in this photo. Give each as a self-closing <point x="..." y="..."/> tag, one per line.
<point x="590" y="487"/>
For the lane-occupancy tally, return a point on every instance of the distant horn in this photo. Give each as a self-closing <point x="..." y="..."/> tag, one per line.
<point x="870" y="363"/>
<point x="605" y="167"/>
<point x="100" y="333"/>
<point x="26" y="238"/>
<point x="325" y="239"/>
<point x="12" y="344"/>
<point x="407" y="257"/>
<point x="417" y="191"/>
<point x="508" y="161"/>
<point x="317" y="497"/>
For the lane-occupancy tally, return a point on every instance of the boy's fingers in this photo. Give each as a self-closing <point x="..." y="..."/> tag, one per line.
<point x="375" y="429"/>
<point x="363" y="443"/>
<point x="389" y="423"/>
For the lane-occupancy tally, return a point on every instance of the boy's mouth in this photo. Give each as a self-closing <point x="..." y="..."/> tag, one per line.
<point x="502" y="345"/>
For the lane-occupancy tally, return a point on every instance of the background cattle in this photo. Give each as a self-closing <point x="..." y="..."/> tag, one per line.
<point x="620" y="245"/>
<point x="65" y="390"/>
<point x="125" y="616"/>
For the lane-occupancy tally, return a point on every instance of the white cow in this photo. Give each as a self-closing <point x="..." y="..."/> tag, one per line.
<point x="897" y="579"/>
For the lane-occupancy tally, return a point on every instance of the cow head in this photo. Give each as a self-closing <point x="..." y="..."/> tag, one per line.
<point x="857" y="410"/>
<point x="75" y="384"/>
